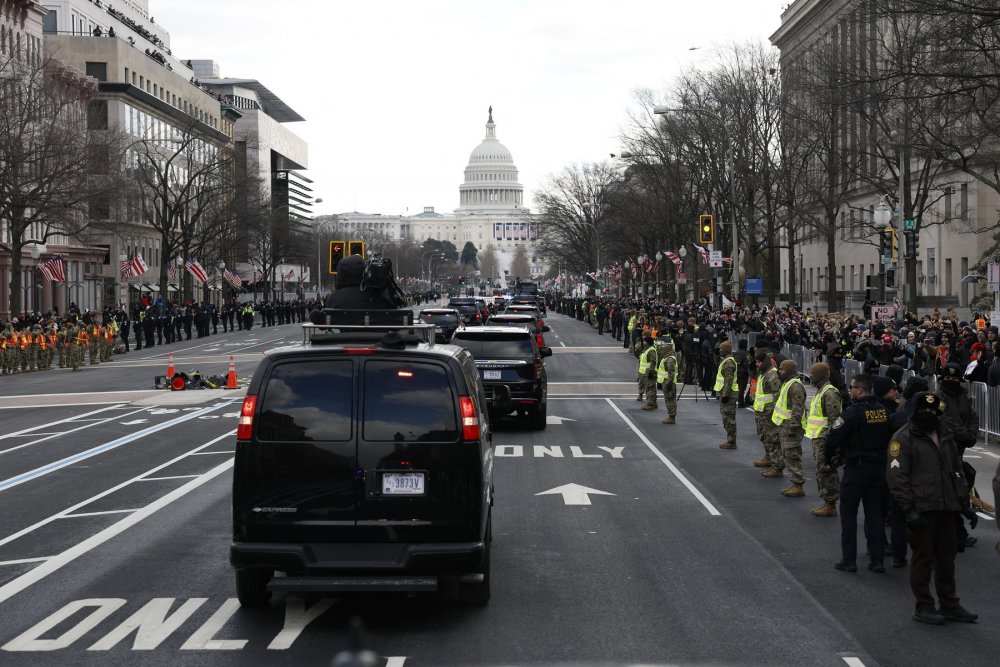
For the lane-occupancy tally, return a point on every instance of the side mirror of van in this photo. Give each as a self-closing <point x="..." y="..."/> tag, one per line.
<point x="546" y="329"/>
<point x="545" y="352"/>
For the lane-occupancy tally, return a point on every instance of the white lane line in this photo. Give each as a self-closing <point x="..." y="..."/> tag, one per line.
<point x="210" y="453"/>
<point x="53" y="405"/>
<point x="56" y="563"/>
<point x="667" y="462"/>
<point x="56" y="423"/>
<point x="562" y="343"/>
<point x="983" y="515"/>
<point x="44" y="522"/>
<point x="983" y="451"/>
<point x="72" y="430"/>
<point x="853" y="662"/>
<point x="100" y="449"/>
<point x="161" y="479"/>
<point x="85" y="514"/>
<point x="21" y="561"/>
<point x="178" y="358"/>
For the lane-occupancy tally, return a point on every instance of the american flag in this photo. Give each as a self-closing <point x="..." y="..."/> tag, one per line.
<point x="703" y="252"/>
<point x="54" y="269"/>
<point x="196" y="270"/>
<point x="172" y="272"/>
<point x="233" y="278"/>
<point x="125" y="269"/>
<point x="647" y="263"/>
<point x="635" y="270"/>
<point x="288" y="276"/>
<point x="673" y="257"/>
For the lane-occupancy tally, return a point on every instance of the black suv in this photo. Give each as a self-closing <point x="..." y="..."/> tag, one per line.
<point x="445" y="319"/>
<point x="527" y="320"/>
<point x="471" y="312"/>
<point x="510" y="363"/>
<point x="529" y="300"/>
<point x="364" y="462"/>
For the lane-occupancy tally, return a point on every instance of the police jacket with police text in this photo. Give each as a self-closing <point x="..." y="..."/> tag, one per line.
<point x="923" y="475"/>
<point x="860" y="434"/>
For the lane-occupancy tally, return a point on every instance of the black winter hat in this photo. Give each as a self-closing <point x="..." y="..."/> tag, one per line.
<point x="913" y="386"/>
<point x="952" y="372"/>
<point x="895" y="373"/>
<point x="350" y="271"/>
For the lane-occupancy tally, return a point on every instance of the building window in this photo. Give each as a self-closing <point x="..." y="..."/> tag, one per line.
<point x="97" y="115"/>
<point x="964" y="202"/>
<point x="98" y="70"/>
<point x="49" y="23"/>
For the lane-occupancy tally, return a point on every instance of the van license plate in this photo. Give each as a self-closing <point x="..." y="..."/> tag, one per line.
<point x="403" y="483"/>
<point x="491" y="375"/>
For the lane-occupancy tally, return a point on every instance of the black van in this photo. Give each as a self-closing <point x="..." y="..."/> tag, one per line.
<point x="364" y="462"/>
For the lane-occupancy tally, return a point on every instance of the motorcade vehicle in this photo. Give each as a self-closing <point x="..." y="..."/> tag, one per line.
<point x="364" y="462"/>
<point x="470" y="311"/>
<point x="530" y="321"/>
<point x="529" y="300"/>
<point x="445" y="319"/>
<point x="509" y="361"/>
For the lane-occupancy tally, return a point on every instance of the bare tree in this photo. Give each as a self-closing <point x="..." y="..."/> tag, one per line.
<point x="519" y="268"/>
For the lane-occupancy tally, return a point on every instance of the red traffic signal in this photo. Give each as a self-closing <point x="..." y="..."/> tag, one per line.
<point x="336" y="254"/>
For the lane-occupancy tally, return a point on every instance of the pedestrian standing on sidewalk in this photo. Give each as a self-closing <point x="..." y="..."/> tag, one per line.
<point x="824" y="410"/>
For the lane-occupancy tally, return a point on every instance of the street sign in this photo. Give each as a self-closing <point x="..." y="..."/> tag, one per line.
<point x="682" y="278"/>
<point x="909" y="225"/>
<point x="715" y="259"/>
<point x="884" y="313"/>
<point x="993" y="277"/>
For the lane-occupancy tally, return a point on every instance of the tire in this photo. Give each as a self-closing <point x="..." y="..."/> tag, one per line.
<point x="538" y="417"/>
<point x="251" y="586"/>
<point x="478" y="594"/>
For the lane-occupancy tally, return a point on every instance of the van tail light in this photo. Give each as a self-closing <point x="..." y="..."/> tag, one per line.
<point x="539" y="341"/>
<point x="470" y="421"/>
<point x="538" y="369"/>
<point x="359" y="350"/>
<point x="245" y="428"/>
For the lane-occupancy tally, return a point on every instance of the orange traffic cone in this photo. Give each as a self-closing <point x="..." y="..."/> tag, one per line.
<point x="170" y="366"/>
<point x="231" y="377"/>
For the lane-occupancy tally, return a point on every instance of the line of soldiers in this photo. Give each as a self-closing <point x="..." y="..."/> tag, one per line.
<point x="33" y="348"/>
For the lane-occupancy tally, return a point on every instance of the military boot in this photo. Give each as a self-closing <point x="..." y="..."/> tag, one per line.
<point x="649" y="406"/>
<point x="669" y="420"/>
<point x="794" y="491"/>
<point x="826" y="509"/>
<point x="773" y="473"/>
<point x="727" y="445"/>
<point x="763" y="463"/>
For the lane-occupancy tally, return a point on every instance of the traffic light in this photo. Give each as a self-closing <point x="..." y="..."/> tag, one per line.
<point x="912" y="240"/>
<point x="356" y="248"/>
<point x="887" y="243"/>
<point x="336" y="254"/>
<point x="890" y="278"/>
<point x="719" y="286"/>
<point x="706" y="228"/>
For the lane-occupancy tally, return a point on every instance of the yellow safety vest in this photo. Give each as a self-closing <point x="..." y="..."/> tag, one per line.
<point x="782" y="412"/>
<point x="662" y="375"/>
<point x="631" y="323"/>
<point x="645" y="361"/>
<point x="720" y="381"/>
<point x="816" y="424"/>
<point x="761" y="399"/>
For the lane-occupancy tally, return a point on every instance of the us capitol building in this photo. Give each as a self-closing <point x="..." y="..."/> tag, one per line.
<point x="491" y="212"/>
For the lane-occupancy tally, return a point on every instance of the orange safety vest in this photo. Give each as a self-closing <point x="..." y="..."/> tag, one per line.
<point x="42" y="341"/>
<point x="25" y="341"/>
<point x="96" y="332"/>
<point x="12" y="341"/>
<point x="82" y="338"/>
<point x="53" y="340"/>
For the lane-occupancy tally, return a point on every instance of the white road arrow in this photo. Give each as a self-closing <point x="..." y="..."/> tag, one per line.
<point x="574" y="494"/>
<point x="133" y="422"/>
<point x="552" y="419"/>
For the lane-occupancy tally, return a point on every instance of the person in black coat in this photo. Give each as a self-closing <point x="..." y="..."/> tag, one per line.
<point x="348" y="295"/>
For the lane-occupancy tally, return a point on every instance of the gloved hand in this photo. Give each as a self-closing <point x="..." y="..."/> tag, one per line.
<point x="914" y="520"/>
<point x="972" y="517"/>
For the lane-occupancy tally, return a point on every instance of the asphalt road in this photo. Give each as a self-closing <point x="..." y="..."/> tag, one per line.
<point x="617" y="539"/>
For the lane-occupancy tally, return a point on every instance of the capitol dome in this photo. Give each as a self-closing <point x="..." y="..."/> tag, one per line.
<point x="490" y="178"/>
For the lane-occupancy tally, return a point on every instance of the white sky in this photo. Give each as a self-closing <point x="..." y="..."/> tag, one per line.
<point x="395" y="92"/>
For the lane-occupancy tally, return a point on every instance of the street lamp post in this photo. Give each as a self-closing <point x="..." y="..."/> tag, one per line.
<point x="682" y="251"/>
<point x="883" y="222"/>
<point x="662" y="109"/>
<point x="597" y="239"/>
<point x="628" y="289"/>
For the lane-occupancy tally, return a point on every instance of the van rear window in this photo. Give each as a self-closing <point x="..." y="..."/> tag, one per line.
<point x="306" y="402"/>
<point x="497" y="346"/>
<point x="408" y="402"/>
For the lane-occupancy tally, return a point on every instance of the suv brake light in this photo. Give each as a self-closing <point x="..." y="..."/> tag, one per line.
<point x="359" y="350"/>
<point x="245" y="428"/>
<point x="470" y="422"/>
<point x="539" y="340"/>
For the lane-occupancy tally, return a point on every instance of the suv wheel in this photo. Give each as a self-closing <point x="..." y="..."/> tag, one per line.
<point x="478" y="594"/>
<point x="538" y="417"/>
<point x="251" y="586"/>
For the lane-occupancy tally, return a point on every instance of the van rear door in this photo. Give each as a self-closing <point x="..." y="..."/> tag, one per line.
<point x="422" y="480"/>
<point x="295" y="479"/>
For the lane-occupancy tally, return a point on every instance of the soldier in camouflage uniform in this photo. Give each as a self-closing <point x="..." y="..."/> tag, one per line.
<point x="727" y="389"/>
<point x="79" y="341"/>
<point x="824" y="411"/>
<point x="768" y="386"/>
<point x="666" y="376"/>
<point x="94" y="336"/>
<point x="62" y="344"/>
<point x="647" y="374"/>
<point x="8" y="343"/>
<point x="24" y="350"/>
<point x="788" y="412"/>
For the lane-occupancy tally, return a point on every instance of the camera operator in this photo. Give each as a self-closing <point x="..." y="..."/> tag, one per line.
<point x="351" y="294"/>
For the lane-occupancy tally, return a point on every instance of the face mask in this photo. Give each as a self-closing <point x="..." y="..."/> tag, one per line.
<point x="951" y="387"/>
<point x="927" y="421"/>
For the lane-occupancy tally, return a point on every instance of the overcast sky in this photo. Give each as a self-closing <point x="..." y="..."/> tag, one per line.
<point x="395" y="92"/>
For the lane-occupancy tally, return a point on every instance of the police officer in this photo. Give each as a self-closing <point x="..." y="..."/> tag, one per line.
<point x="926" y="481"/>
<point x="647" y="374"/>
<point x="728" y="390"/>
<point x="858" y="441"/>
<point x="962" y="420"/>
<point x="788" y="412"/>
<point x="666" y="377"/>
<point x="824" y="410"/>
